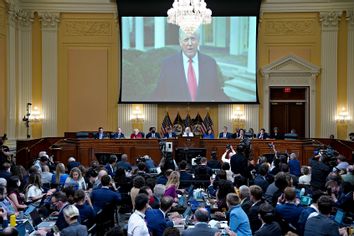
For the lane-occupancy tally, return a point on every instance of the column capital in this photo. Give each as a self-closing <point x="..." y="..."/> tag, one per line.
<point x="49" y="20"/>
<point x="350" y="19"/>
<point x="24" y="18"/>
<point x="330" y="20"/>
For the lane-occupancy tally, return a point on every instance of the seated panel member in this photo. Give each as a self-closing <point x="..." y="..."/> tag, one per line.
<point x="136" y="134"/>
<point x="225" y="133"/>
<point x="262" y="134"/>
<point x="276" y="134"/>
<point x="118" y="135"/>
<point x="170" y="133"/>
<point x="100" y="134"/>
<point x="152" y="133"/>
<point x="187" y="132"/>
<point x="209" y="134"/>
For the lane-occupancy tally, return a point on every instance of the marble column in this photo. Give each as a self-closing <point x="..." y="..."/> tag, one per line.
<point x="350" y="69"/>
<point x="125" y="32"/>
<point x="329" y="45"/>
<point x="150" y="113"/>
<point x="252" y="117"/>
<point x="49" y="73"/>
<point x="124" y="112"/>
<point x="24" y="68"/>
<point x="225" y="117"/>
<point x="159" y="31"/>
<point x="11" y="74"/>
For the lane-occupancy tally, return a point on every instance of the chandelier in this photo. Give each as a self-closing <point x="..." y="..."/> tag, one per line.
<point x="189" y="14"/>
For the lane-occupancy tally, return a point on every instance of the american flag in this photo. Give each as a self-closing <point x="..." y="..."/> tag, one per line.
<point x="166" y="123"/>
<point x="188" y="121"/>
<point x="208" y="122"/>
<point x="198" y="120"/>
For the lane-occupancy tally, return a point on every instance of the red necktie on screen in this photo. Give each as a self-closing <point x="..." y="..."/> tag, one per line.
<point x="192" y="81"/>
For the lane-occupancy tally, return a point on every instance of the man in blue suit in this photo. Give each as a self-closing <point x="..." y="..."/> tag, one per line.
<point x="157" y="220"/>
<point x="111" y="165"/>
<point x="225" y="134"/>
<point x="100" y="134"/>
<point x="103" y="196"/>
<point x="118" y="134"/>
<point x="170" y="133"/>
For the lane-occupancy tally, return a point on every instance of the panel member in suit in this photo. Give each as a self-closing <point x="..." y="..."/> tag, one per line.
<point x="262" y="134"/>
<point x="170" y="133"/>
<point x="189" y="75"/>
<point x="225" y="134"/>
<point x="152" y="133"/>
<point x="276" y="134"/>
<point x="201" y="216"/>
<point x="100" y="134"/>
<point x="71" y="214"/>
<point x="157" y="219"/>
<point x="119" y="134"/>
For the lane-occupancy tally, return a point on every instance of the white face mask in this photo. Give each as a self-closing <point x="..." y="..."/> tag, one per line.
<point x="18" y="183"/>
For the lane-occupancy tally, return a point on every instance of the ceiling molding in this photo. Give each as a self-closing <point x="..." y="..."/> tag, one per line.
<point x="77" y="6"/>
<point x="305" y="6"/>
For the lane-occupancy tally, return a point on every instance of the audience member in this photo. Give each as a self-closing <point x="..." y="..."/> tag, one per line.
<point x="157" y="220"/>
<point x="269" y="226"/>
<point x="104" y="196"/>
<point x="172" y="185"/>
<point x="305" y="179"/>
<point x="71" y="214"/>
<point x="72" y="163"/>
<point x="186" y="178"/>
<point x="111" y="165"/>
<point x="84" y="205"/>
<point x="294" y="165"/>
<point x="123" y="163"/>
<point x="239" y="222"/>
<point x="46" y="175"/>
<point x="201" y="227"/>
<point x="257" y="201"/>
<point x="214" y="163"/>
<point x="244" y="193"/>
<point x="138" y="182"/>
<point x="136" y="224"/>
<point x="60" y="176"/>
<point x="75" y="179"/>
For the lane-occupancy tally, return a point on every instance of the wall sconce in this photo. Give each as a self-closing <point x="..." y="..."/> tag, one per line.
<point x="238" y="115"/>
<point x="342" y="116"/>
<point x="137" y="114"/>
<point x="36" y="115"/>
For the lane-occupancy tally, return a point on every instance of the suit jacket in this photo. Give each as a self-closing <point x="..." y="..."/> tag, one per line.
<point x="321" y="225"/>
<point x="228" y="135"/>
<point x="156" y="222"/>
<point x="265" y="136"/>
<point x="272" y="229"/>
<point x="200" y="229"/>
<point x="157" y="135"/>
<point x="277" y="136"/>
<point x="255" y="222"/>
<point x="74" y="229"/>
<point x="185" y="179"/>
<point x="110" y="170"/>
<point x="167" y="135"/>
<point x="173" y="86"/>
<point x="117" y="136"/>
<point x="104" y="196"/>
<point x="104" y="135"/>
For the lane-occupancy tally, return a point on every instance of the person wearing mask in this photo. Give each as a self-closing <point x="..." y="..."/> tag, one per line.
<point x="71" y="215"/>
<point x="136" y="224"/>
<point x="152" y="133"/>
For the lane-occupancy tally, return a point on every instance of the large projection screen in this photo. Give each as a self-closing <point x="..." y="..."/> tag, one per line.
<point x="156" y="68"/>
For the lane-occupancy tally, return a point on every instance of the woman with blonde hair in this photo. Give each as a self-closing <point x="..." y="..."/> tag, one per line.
<point x="75" y="179"/>
<point x="172" y="185"/>
<point x="60" y="176"/>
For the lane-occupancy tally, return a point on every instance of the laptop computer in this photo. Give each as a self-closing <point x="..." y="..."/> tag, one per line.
<point x="29" y="209"/>
<point x="24" y="228"/>
<point x="339" y="217"/>
<point x="37" y="221"/>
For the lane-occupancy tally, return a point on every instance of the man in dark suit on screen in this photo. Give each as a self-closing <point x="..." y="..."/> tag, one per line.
<point x="189" y="75"/>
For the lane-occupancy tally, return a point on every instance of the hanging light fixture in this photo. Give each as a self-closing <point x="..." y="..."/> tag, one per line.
<point x="189" y="14"/>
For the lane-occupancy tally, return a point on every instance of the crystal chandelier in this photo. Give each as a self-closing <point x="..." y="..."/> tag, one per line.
<point x="189" y="14"/>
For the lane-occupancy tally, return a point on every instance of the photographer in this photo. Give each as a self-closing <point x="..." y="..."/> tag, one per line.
<point x="320" y="171"/>
<point x="239" y="163"/>
<point x="229" y="152"/>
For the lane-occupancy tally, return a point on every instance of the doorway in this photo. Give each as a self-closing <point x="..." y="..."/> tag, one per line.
<point x="289" y="109"/>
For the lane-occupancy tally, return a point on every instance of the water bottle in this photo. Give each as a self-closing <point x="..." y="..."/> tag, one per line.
<point x="13" y="220"/>
<point x="302" y="192"/>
